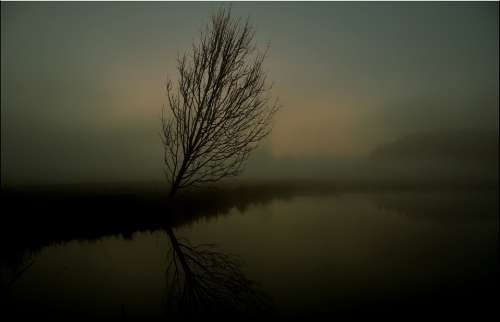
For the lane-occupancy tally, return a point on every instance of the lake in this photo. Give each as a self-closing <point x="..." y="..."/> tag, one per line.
<point x="292" y="255"/>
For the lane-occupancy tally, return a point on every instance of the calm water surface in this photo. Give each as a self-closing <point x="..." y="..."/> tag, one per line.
<point x="317" y="253"/>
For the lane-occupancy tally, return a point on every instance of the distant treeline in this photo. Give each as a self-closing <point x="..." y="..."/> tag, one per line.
<point x="465" y="145"/>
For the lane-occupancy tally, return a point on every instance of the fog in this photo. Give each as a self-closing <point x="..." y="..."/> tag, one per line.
<point x="82" y="87"/>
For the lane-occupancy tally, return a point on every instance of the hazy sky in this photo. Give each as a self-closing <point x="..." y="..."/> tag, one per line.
<point x="82" y="84"/>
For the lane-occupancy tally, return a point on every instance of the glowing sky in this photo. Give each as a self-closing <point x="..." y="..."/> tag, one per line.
<point x="82" y="83"/>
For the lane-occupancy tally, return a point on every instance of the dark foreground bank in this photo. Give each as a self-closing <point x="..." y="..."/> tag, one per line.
<point x="331" y="250"/>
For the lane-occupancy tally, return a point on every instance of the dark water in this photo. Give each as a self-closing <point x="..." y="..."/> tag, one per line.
<point x="331" y="253"/>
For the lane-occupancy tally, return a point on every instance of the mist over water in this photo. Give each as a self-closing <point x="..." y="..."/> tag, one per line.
<point x="374" y="195"/>
<point x="312" y="254"/>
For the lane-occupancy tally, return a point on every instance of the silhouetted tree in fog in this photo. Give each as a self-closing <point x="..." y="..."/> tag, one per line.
<point x="220" y="105"/>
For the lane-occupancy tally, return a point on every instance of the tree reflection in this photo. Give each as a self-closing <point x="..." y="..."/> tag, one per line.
<point x="201" y="279"/>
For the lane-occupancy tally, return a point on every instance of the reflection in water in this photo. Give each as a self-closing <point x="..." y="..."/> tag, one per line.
<point x="312" y="253"/>
<point x="201" y="279"/>
<point x="82" y="212"/>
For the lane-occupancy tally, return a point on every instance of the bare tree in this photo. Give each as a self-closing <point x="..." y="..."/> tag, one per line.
<point x="201" y="279"/>
<point x="220" y="106"/>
